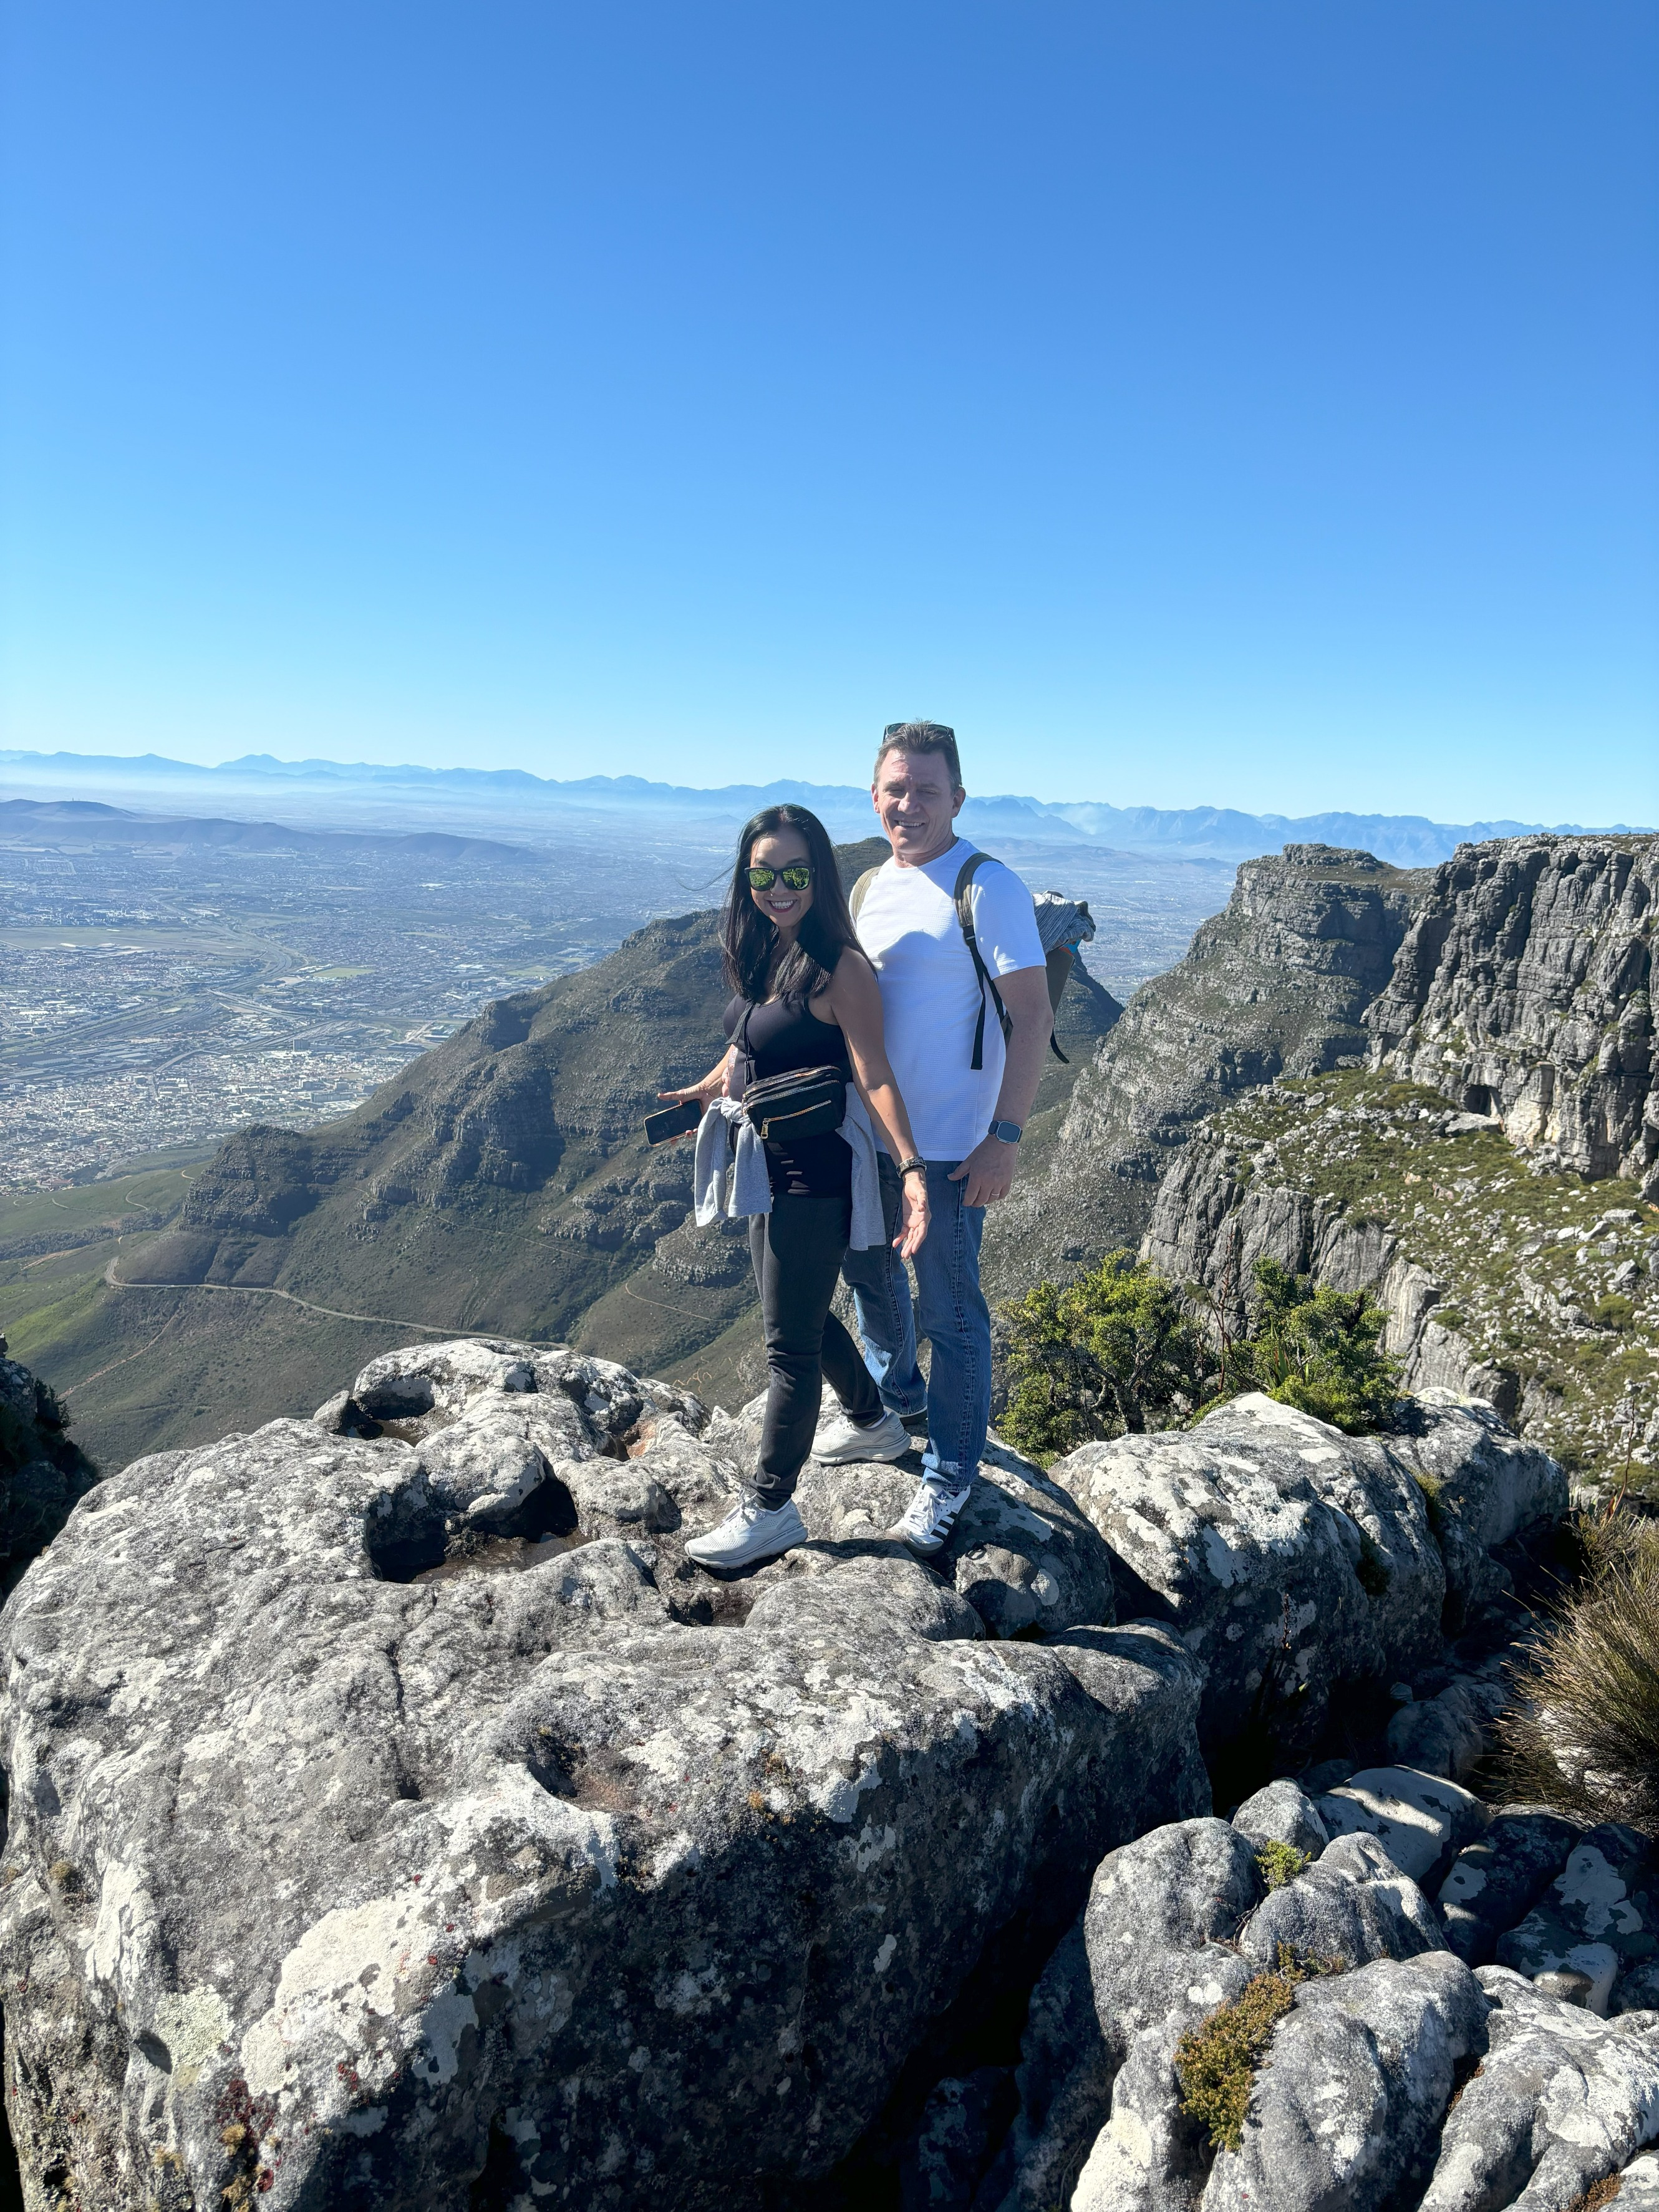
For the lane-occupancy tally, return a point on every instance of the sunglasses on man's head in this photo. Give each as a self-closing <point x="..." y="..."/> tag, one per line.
<point x="795" y="878"/>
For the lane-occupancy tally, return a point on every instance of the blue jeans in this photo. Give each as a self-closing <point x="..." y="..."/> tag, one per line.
<point x="953" y="1314"/>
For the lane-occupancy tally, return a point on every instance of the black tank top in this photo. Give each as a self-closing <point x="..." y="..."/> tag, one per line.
<point x="771" y="1039"/>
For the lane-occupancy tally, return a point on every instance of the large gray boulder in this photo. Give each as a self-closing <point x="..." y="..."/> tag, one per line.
<point x="1485" y="1488"/>
<point x="1560" y="2101"/>
<point x="1288" y="1557"/>
<point x="1352" y="1904"/>
<point x="1496" y="1880"/>
<point x="1160" y="1925"/>
<point x="1350" y="2100"/>
<point x="1597" y="1923"/>
<point x="337" y="1887"/>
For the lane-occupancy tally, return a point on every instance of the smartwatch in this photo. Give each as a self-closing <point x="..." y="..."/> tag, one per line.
<point x="1009" y="1132"/>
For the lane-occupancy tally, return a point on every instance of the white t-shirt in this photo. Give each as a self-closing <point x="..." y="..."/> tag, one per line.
<point x="930" y="995"/>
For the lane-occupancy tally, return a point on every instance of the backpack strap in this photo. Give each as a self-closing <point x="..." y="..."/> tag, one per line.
<point x="856" y="897"/>
<point x="987" y="982"/>
<point x="965" y="906"/>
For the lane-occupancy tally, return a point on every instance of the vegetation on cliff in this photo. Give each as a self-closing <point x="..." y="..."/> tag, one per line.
<point x="1122" y="1350"/>
<point x="1541" y="1284"/>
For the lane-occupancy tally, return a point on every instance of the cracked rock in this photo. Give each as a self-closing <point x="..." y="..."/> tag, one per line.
<point x="330" y="1888"/>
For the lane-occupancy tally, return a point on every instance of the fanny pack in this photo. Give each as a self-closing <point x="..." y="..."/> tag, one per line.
<point x="805" y="1102"/>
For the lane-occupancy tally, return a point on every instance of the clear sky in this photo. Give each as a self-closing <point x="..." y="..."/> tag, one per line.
<point x="1222" y="401"/>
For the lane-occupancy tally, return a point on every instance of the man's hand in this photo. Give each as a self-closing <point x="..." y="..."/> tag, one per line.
<point x="989" y="1169"/>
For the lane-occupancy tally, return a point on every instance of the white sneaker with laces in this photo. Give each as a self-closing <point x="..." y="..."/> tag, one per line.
<point x="845" y="1441"/>
<point x="751" y="1531"/>
<point x="929" y="1519"/>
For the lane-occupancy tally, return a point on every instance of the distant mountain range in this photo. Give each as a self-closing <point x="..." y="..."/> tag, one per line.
<point x="1189" y="833"/>
<point x="85" y="821"/>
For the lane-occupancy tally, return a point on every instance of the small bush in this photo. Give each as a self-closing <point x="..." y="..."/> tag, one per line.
<point x="1316" y="1349"/>
<point x="1584" y="1733"/>
<point x="1115" y="1352"/>
<point x="1216" y="2061"/>
<point x="1614" y="1311"/>
<point x="1280" y="1863"/>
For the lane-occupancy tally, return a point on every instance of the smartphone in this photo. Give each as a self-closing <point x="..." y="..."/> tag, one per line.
<point x="673" y="1122"/>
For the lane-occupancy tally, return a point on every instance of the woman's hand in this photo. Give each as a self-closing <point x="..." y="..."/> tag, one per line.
<point x="712" y="1085"/>
<point x="913" y="1216"/>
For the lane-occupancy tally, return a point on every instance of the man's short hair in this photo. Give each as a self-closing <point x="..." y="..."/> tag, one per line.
<point x="921" y="738"/>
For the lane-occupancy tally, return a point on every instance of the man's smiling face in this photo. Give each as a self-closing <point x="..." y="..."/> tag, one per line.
<point x="918" y="805"/>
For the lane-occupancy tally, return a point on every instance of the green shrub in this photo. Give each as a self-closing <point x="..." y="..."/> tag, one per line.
<point x="1584" y="1731"/>
<point x="1316" y="1349"/>
<point x="1216" y="2061"/>
<point x="1115" y="1352"/>
<point x="1280" y="1863"/>
<point x="1614" y="1311"/>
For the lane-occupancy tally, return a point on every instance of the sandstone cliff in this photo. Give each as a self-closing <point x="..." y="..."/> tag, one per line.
<point x="1492" y="1181"/>
<point x="1278" y="983"/>
<point x="1523" y="988"/>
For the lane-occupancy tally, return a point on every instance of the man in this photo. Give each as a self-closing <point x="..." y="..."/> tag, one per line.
<point x="968" y="1121"/>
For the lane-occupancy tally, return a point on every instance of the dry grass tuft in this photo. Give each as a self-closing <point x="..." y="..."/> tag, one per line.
<point x="1598" y="2194"/>
<point x="1585" y="1733"/>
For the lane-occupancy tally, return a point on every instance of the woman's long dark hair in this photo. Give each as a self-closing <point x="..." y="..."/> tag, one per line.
<point x="751" y="939"/>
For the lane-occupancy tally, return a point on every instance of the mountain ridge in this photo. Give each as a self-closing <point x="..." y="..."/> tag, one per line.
<point x="1198" y="832"/>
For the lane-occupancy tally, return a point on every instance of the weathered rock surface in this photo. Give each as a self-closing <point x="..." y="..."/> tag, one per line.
<point x="1283" y="1813"/>
<point x="1398" y="2077"/>
<point x="1560" y="2101"/>
<point x="1357" y="2076"/>
<point x="1496" y="1880"/>
<point x="1521" y="988"/>
<point x="1421" y="1820"/>
<point x="1598" y="1921"/>
<point x="1353" y="1903"/>
<point x="1159" y="1926"/>
<point x="1250" y="1534"/>
<point x="1278" y="983"/>
<point x="345" y="1889"/>
<point x="42" y="1474"/>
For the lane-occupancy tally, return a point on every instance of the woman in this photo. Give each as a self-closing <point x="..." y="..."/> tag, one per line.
<point x="804" y="996"/>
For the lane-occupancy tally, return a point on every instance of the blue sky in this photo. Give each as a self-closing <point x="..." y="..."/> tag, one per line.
<point x="1249" y="404"/>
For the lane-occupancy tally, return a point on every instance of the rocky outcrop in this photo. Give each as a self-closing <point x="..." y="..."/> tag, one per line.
<point x="1501" y="1277"/>
<point x="1523" y="989"/>
<point x="1278" y="983"/>
<point x="400" y="1820"/>
<point x="1294" y="1560"/>
<point x="1398" y="2074"/>
<point x="42" y="1473"/>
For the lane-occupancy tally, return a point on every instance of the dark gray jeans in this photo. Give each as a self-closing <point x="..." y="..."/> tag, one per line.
<point x="797" y="1250"/>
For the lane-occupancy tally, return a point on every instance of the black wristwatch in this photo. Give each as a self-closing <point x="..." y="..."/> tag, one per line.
<point x="915" y="1165"/>
<point x="1010" y="1132"/>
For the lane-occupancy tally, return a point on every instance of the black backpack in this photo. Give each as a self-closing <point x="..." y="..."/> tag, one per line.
<point x="1057" y="957"/>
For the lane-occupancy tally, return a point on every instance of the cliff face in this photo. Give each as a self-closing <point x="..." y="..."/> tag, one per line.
<point x="1278" y="983"/>
<point x="1501" y="1277"/>
<point x="1523" y="989"/>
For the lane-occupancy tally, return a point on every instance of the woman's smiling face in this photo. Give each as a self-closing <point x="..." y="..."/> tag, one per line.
<point x="780" y="848"/>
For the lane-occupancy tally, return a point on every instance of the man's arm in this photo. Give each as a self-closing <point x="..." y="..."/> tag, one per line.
<point x="990" y="1167"/>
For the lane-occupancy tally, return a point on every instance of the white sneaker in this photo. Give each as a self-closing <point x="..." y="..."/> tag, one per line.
<point x="751" y="1531"/>
<point x="844" y="1440"/>
<point x="929" y="1519"/>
